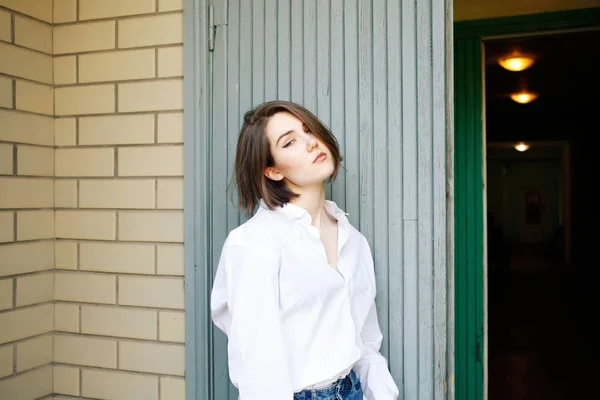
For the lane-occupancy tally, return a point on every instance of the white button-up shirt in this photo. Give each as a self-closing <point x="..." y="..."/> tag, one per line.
<point x="292" y="321"/>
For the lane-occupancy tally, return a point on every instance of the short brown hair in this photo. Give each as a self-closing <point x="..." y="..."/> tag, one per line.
<point x="253" y="155"/>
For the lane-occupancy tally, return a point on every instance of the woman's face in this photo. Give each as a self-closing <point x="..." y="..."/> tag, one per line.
<point x="300" y="158"/>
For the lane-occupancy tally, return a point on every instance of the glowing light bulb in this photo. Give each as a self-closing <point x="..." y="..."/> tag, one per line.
<point x="516" y="63"/>
<point x="521" y="147"/>
<point x="523" y="97"/>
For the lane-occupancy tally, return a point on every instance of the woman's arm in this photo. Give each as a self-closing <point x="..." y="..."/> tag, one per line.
<point x="252" y="321"/>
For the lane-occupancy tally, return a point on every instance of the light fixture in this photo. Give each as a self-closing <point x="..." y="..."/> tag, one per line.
<point x="521" y="147"/>
<point x="523" y="97"/>
<point x="516" y="62"/>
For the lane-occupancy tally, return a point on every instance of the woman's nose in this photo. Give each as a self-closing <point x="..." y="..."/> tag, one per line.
<point x="312" y="143"/>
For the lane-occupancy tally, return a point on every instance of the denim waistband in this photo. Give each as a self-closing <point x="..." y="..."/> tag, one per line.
<point x="339" y="389"/>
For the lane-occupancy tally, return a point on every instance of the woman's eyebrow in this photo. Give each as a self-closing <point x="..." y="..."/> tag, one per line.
<point x="285" y="134"/>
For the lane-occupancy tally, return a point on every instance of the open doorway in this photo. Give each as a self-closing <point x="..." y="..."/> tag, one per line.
<point x="539" y="185"/>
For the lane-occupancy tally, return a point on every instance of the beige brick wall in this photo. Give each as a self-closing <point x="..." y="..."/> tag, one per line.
<point x="91" y="199"/>
<point x="118" y="195"/>
<point x="26" y="199"/>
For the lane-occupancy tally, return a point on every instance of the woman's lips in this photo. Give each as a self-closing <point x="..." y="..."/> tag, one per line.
<point x="320" y="157"/>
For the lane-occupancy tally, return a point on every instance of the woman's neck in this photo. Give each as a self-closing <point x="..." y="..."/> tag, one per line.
<point x="313" y="201"/>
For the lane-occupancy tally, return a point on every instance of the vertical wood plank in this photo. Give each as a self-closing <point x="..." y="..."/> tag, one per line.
<point x="338" y="96"/>
<point x="381" y="167"/>
<point x="297" y="67"/>
<point x="352" y="112"/>
<point x="233" y="108"/>
<point x="258" y="52"/>
<point x="440" y="205"/>
<point x="284" y="39"/>
<point x="410" y="199"/>
<point x="395" y="200"/>
<point x="270" y="50"/>
<point x="309" y="22"/>
<point x="425" y="194"/>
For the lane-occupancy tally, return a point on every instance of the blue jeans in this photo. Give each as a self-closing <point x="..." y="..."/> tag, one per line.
<point x="347" y="388"/>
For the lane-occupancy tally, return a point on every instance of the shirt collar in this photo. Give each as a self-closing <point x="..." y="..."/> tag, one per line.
<point x="294" y="212"/>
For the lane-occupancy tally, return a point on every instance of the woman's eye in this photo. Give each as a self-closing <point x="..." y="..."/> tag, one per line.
<point x="288" y="143"/>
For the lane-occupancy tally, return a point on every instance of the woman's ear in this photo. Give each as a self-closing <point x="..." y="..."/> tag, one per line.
<point x="273" y="174"/>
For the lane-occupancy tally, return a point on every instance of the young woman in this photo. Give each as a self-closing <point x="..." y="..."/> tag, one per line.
<point x="295" y="285"/>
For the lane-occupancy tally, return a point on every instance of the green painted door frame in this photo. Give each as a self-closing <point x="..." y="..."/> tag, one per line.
<point x="469" y="145"/>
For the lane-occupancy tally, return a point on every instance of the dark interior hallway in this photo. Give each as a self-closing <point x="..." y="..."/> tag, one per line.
<point x="530" y="328"/>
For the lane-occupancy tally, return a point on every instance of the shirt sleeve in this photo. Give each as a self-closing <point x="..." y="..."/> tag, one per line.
<point x="372" y="368"/>
<point x="246" y="307"/>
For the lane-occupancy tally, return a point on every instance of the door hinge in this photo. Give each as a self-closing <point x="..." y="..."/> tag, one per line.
<point x="211" y="28"/>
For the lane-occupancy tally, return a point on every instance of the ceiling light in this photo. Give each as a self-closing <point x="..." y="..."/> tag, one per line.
<point x="516" y="62"/>
<point x="523" y="97"/>
<point x="521" y="147"/>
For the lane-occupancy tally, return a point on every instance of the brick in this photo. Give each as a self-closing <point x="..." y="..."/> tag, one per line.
<point x="170" y="5"/>
<point x="151" y="161"/>
<point x="169" y="259"/>
<point x="170" y="194"/>
<point x="22" y="258"/>
<point x="84" y="162"/>
<point x="65" y="70"/>
<point x="93" y="9"/>
<point x="26" y="128"/>
<point x="65" y="254"/>
<point x="78" y="350"/>
<point x="171" y="326"/>
<point x="151" y="292"/>
<point x="65" y="11"/>
<point x="65" y="193"/>
<point x="66" y="379"/>
<point x="80" y="100"/>
<point x="172" y="388"/>
<point x="40" y="9"/>
<point x="34" y="352"/>
<point x="170" y="62"/>
<point x="120" y="129"/>
<point x="65" y="132"/>
<point x="66" y="318"/>
<point x="7" y="227"/>
<point x="151" y="226"/>
<point x="95" y="225"/>
<point x="151" y="31"/>
<point x="122" y="193"/>
<point x="33" y="34"/>
<point x="6" y="159"/>
<point x="35" y="161"/>
<point x="116" y="66"/>
<point x="125" y="258"/>
<point x="35" y="289"/>
<point x="119" y="385"/>
<point x="81" y="37"/>
<point x="34" y="225"/>
<point x="85" y="287"/>
<point x="152" y="357"/>
<point x="6" y="361"/>
<point x="170" y="128"/>
<point x="25" y="63"/>
<point x="151" y="96"/>
<point x="6" y="92"/>
<point x="34" y="97"/>
<point x="26" y="322"/>
<point x="119" y="322"/>
<point x="5" y="26"/>
<point x="32" y="384"/>
<point x="26" y="193"/>
<point x="6" y="294"/>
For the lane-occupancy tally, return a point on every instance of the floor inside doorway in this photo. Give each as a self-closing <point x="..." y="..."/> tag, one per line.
<point x="533" y="340"/>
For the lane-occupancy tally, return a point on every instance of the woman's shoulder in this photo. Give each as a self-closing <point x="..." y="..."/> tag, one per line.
<point x="260" y="231"/>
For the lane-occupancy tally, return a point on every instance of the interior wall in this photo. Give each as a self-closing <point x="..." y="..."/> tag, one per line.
<point x="480" y="9"/>
<point x="26" y="199"/>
